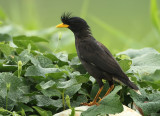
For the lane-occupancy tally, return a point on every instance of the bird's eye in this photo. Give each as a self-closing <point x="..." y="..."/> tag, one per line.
<point x="66" y="22"/>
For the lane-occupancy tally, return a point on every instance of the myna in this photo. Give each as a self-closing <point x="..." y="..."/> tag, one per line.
<point x="94" y="56"/>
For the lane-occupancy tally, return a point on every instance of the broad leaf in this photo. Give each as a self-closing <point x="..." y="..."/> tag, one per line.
<point x="72" y="90"/>
<point x="6" y="49"/>
<point x="132" y="53"/>
<point x="47" y="85"/>
<point x="39" y="71"/>
<point x="109" y="105"/>
<point x="73" y="81"/>
<point x="46" y="101"/>
<point x="16" y="90"/>
<point x="50" y="92"/>
<point x="149" y="103"/>
<point x="5" y="37"/>
<point x="30" y="38"/>
<point x="42" y="112"/>
<point x="125" y="64"/>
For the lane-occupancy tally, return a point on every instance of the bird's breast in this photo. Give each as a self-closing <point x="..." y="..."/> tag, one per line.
<point x="80" y="44"/>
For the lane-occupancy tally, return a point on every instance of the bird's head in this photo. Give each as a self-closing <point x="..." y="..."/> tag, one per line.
<point x="75" y="24"/>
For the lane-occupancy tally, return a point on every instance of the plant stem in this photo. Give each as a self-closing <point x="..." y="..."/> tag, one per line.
<point x="8" y="89"/>
<point x="68" y="101"/>
<point x="19" y="68"/>
<point x="7" y="101"/>
<point x="63" y="100"/>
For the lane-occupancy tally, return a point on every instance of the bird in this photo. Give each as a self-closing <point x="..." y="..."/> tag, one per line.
<point x="95" y="57"/>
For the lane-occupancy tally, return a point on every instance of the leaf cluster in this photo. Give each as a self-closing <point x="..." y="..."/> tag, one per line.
<point x="33" y="82"/>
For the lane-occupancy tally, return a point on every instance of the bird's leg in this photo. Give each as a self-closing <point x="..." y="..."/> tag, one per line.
<point x="109" y="90"/>
<point x="94" y="102"/>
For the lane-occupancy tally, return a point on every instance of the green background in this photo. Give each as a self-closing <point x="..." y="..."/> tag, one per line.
<point x="118" y="24"/>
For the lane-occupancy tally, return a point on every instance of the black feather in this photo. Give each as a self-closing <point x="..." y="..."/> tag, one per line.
<point x="66" y="17"/>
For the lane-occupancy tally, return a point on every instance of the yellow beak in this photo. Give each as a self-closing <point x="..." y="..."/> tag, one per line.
<point x="62" y="25"/>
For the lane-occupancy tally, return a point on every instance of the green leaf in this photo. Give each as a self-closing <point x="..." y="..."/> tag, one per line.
<point x="5" y="37"/>
<point x="76" y="79"/>
<point x="16" y="93"/>
<point x="66" y="84"/>
<point x="40" y="60"/>
<point x="72" y="90"/>
<point x="7" y="68"/>
<point x="80" y="68"/>
<point x="125" y="64"/>
<point x="152" y="77"/>
<point x="30" y="38"/>
<point x="10" y="104"/>
<point x="42" y="112"/>
<point x="51" y="57"/>
<point x="132" y="53"/>
<point x="39" y="71"/>
<point x="109" y="105"/>
<point x="23" y="112"/>
<point x="155" y="114"/>
<point x="145" y="64"/>
<point x="72" y="112"/>
<point x="149" y="103"/>
<point x="46" y="101"/>
<point x="24" y="107"/>
<point x="57" y="75"/>
<point x="47" y="85"/>
<point x="24" y="44"/>
<point x="15" y="114"/>
<point x="71" y="56"/>
<point x="75" y="61"/>
<point x="24" y="56"/>
<point x="6" y="49"/>
<point x="62" y="56"/>
<point x="80" y="99"/>
<point x="50" y="92"/>
<point x="153" y="84"/>
<point x="44" y="61"/>
<point x="5" y="111"/>
<point x="82" y="78"/>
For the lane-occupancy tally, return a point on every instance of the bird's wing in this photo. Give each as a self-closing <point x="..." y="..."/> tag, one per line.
<point x="97" y="54"/>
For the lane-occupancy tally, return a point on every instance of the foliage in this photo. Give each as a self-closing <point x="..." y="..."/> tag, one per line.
<point x="33" y="82"/>
<point x="109" y="105"/>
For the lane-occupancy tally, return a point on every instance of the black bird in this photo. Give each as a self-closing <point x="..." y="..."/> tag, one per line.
<point x="94" y="56"/>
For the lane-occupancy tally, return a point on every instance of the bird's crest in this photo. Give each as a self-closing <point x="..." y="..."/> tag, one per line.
<point x="65" y="17"/>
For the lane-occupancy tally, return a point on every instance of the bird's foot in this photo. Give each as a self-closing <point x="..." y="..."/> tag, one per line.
<point x="100" y="99"/>
<point x="90" y="104"/>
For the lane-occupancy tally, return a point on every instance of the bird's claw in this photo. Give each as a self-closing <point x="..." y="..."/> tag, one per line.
<point x="90" y="104"/>
<point x="99" y="99"/>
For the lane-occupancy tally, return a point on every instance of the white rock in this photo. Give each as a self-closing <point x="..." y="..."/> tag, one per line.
<point x="126" y="112"/>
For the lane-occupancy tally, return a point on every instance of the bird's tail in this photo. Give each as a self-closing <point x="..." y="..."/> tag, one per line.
<point x="125" y="80"/>
<point x="132" y="85"/>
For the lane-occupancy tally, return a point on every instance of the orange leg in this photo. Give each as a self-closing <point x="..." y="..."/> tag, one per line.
<point x="109" y="90"/>
<point x="94" y="102"/>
